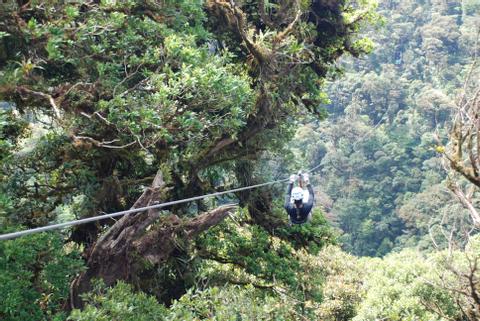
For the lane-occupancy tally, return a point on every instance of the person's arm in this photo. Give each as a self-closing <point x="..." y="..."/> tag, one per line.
<point x="288" y="196"/>
<point x="311" y="196"/>
<point x="307" y="207"/>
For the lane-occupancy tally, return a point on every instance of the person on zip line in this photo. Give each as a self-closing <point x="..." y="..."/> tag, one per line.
<point x="299" y="202"/>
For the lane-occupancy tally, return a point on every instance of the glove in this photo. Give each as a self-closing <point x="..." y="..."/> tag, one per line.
<point x="306" y="179"/>
<point x="292" y="178"/>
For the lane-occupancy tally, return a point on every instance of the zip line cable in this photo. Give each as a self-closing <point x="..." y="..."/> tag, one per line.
<point x="130" y="211"/>
<point x="13" y="235"/>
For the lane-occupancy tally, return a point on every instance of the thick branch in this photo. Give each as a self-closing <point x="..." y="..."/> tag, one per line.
<point x="104" y="144"/>
<point x="237" y="21"/>
<point x="24" y="90"/>
<point x="154" y="246"/>
<point x="288" y="29"/>
<point x="467" y="203"/>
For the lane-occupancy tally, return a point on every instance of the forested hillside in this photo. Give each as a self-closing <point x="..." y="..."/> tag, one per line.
<point x="381" y="172"/>
<point x="112" y="105"/>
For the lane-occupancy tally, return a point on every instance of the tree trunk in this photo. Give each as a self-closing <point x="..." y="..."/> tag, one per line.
<point x="135" y="242"/>
<point x="258" y="201"/>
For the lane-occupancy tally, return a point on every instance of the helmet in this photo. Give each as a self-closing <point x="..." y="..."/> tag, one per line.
<point x="297" y="193"/>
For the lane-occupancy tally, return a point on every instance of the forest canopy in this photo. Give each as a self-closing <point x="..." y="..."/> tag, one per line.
<point x="111" y="105"/>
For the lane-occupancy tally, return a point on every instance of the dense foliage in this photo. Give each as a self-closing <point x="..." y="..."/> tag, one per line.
<point x="382" y="171"/>
<point x="102" y="97"/>
<point x="35" y="276"/>
<point x="105" y="105"/>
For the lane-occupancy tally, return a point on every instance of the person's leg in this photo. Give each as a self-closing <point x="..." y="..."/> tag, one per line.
<point x="309" y="217"/>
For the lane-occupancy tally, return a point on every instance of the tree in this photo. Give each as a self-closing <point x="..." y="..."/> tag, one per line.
<point x="134" y="92"/>
<point x="395" y="289"/>
<point x="462" y="151"/>
<point x="343" y="285"/>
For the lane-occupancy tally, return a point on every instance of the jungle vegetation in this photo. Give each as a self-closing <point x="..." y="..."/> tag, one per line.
<point x="109" y="105"/>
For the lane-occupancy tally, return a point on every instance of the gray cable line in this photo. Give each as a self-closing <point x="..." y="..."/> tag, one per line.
<point x="133" y="210"/>
<point x="314" y="168"/>
<point x="13" y="235"/>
